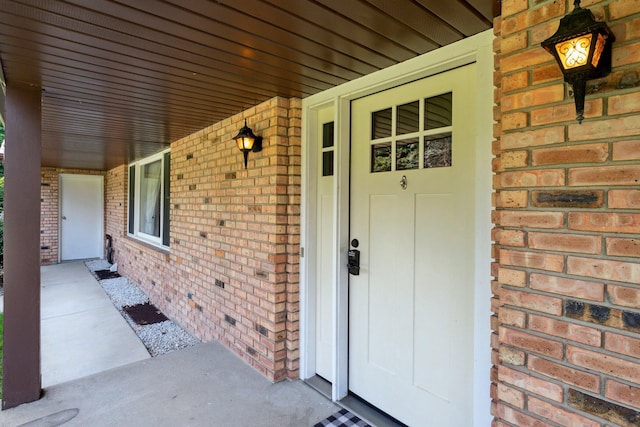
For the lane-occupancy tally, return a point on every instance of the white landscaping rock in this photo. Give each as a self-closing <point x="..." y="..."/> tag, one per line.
<point x="158" y="338"/>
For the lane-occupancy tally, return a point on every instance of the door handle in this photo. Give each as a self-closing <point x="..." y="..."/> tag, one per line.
<point x="353" y="257"/>
<point x="64" y="217"/>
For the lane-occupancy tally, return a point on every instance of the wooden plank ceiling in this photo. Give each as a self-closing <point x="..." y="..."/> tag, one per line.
<point x="121" y="79"/>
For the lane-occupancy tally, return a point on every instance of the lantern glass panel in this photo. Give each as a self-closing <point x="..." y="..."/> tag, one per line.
<point x="574" y="53"/>
<point x="597" y="53"/>
<point x="245" y="143"/>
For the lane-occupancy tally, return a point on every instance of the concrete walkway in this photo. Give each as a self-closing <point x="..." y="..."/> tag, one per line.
<point x="82" y="333"/>
<point x="95" y="371"/>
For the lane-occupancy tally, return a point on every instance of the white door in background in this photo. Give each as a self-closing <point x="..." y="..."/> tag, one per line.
<point x="412" y="211"/>
<point x="81" y="217"/>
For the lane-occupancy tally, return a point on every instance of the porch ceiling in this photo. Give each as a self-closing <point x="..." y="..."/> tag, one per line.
<point x="122" y="79"/>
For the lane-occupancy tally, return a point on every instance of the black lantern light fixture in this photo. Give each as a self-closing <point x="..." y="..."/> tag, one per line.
<point x="582" y="47"/>
<point x="247" y="142"/>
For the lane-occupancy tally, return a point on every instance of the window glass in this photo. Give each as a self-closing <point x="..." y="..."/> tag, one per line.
<point x="437" y="111"/>
<point x="149" y="199"/>
<point x="408" y="118"/>
<point x="408" y="154"/>
<point x="381" y="157"/>
<point x="150" y="187"/>
<point x="437" y="151"/>
<point x="381" y="124"/>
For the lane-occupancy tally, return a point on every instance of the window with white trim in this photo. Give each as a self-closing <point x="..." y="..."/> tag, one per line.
<point x="149" y="199"/>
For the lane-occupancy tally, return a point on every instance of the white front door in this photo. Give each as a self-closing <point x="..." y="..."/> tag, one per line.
<point x="412" y="211"/>
<point x="81" y="216"/>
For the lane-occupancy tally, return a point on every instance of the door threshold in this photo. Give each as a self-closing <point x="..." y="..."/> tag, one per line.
<point x="320" y="385"/>
<point x="354" y="404"/>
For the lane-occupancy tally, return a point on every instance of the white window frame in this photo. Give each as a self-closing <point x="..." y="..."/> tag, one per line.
<point x="164" y="216"/>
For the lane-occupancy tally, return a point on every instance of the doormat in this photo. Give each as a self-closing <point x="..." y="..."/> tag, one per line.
<point x="342" y="418"/>
<point x="106" y="274"/>
<point x="145" y="314"/>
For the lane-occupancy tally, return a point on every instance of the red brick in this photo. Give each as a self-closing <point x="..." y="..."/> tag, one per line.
<point x="515" y="81"/>
<point x="532" y="384"/>
<point x="559" y="415"/>
<point x="534" y="16"/>
<point x="605" y="129"/>
<point x="621" y="9"/>
<point x="623" y="393"/>
<point x="567" y="330"/>
<point x="564" y="112"/>
<point x="511" y="317"/>
<point x="604" y="269"/>
<point x="624" y="296"/>
<point x="512" y="198"/>
<point x="624" y="199"/>
<point x="626" y="150"/>
<point x="603" y="363"/>
<point x="533" y="138"/>
<point x="511" y="7"/>
<point x="547" y="73"/>
<point x="530" y="219"/>
<point x="623" y="104"/>
<point x="564" y="374"/>
<point x="604" y="222"/>
<point x="511" y="277"/>
<point x="512" y="356"/>
<point x="623" y="247"/>
<point x="511" y="395"/>
<point x="514" y="159"/>
<point x="570" y="287"/>
<point x="518" y="418"/>
<point x="538" y="260"/>
<point x="625" y="55"/>
<point x="524" y="59"/>
<point x="605" y="175"/>
<point x="533" y="97"/>
<point x="513" y="43"/>
<point x="562" y="242"/>
<point x="532" y="178"/>
<point x="592" y="153"/>
<point x="511" y="238"/>
<point x="622" y="344"/>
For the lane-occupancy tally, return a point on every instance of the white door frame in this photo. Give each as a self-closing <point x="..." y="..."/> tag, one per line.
<point x="100" y="179"/>
<point x="478" y="49"/>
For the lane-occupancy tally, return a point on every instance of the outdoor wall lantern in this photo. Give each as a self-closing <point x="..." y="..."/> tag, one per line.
<point x="247" y="141"/>
<point x="582" y="47"/>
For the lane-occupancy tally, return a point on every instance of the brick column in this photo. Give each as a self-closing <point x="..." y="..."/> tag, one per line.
<point x="21" y="359"/>
<point x="567" y="227"/>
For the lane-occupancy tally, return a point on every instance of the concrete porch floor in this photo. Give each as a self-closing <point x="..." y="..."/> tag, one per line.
<point x="96" y="372"/>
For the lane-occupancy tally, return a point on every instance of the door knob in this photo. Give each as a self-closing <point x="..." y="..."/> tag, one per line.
<point x="64" y="217"/>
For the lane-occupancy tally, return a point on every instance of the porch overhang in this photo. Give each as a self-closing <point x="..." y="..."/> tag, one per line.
<point x="122" y="80"/>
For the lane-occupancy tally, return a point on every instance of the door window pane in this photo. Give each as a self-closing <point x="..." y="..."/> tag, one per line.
<point x="437" y="151"/>
<point x="150" y="180"/>
<point x="327" y="163"/>
<point x="408" y="118"/>
<point x="381" y="124"/>
<point x="407" y="154"/>
<point x="327" y="135"/>
<point x="437" y="110"/>
<point x="381" y="157"/>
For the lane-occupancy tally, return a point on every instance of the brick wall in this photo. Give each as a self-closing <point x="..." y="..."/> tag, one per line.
<point x="566" y="346"/>
<point x="49" y="206"/>
<point x="232" y="270"/>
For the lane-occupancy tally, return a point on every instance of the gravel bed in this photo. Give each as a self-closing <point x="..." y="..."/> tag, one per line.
<point x="158" y="338"/>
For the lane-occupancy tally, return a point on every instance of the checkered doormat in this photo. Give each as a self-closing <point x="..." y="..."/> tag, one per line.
<point x="342" y="418"/>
